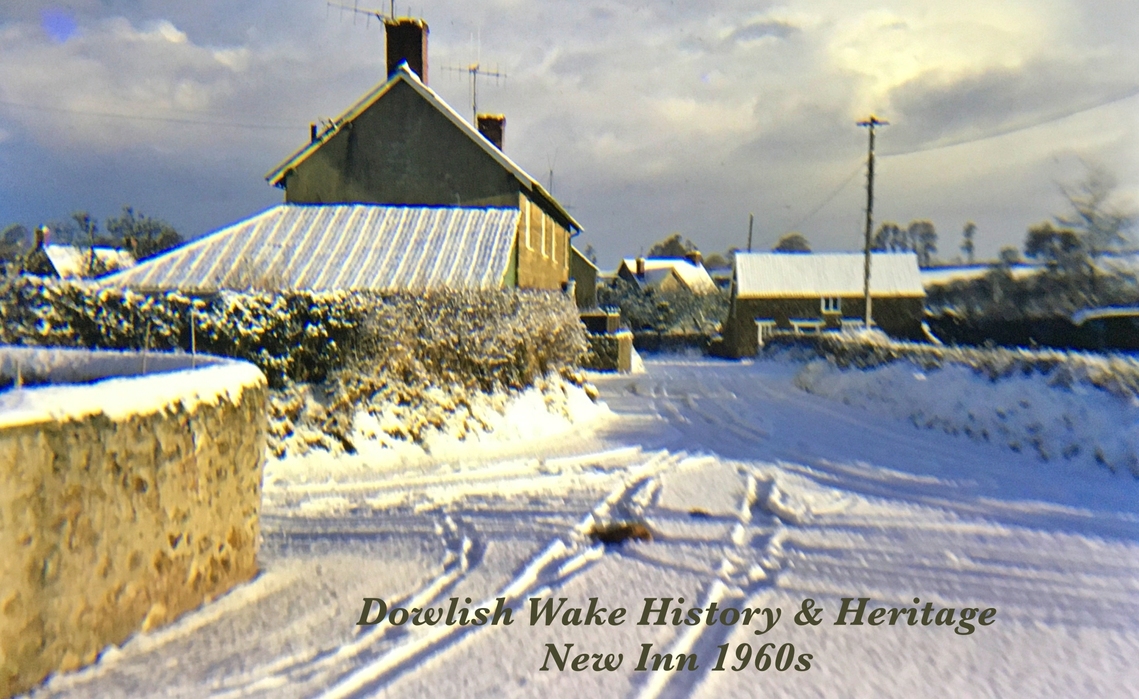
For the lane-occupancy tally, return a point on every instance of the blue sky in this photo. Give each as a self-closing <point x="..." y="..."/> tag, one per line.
<point x="655" y="117"/>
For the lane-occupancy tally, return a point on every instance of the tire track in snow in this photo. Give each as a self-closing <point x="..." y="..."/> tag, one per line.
<point x="561" y="558"/>
<point x="737" y="579"/>
<point x="463" y="551"/>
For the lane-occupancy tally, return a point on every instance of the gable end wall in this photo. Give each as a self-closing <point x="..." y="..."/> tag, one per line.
<point x="401" y="150"/>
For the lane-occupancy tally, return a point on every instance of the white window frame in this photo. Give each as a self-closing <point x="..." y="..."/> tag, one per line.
<point x="544" y="253"/>
<point x="831" y="304"/>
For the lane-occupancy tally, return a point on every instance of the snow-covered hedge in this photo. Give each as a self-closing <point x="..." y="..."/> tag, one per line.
<point x="1116" y="374"/>
<point x="424" y="356"/>
<point x="300" y="336"/>
<point x="1059" y="405"/>
<point x="422" y="361"/>
<point x="492" y="339"/>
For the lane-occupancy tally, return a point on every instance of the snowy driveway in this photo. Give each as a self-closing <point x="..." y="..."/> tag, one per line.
<point x="759" y="497"/>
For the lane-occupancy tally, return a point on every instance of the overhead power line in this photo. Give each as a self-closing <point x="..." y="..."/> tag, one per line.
<point x="829" y="199"/>
<point x="1016" y="129"/>
<point x="140" y="117"/>
<point x="952" y="144"/>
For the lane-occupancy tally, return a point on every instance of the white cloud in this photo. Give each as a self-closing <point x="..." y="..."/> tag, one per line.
<point x="656" y="116"/>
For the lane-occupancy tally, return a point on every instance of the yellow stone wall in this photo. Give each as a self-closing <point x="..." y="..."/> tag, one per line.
<point x="542" y="247"/>
<point x="112" y="522"/>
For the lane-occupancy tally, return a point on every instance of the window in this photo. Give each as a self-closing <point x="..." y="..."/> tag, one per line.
<point x="554" y="241"/>
<point x="526" y="215"/>
<point x="832" y="304"/>
<point x="543" y="235"/>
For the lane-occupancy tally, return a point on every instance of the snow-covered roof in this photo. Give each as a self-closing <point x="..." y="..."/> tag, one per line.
<point x="327" y="247"/>
<point x="72" y="262"/>
<point x="799" y="275"/>
<point x="403" y="73"/>
<point x="1081" y="317"/>
<point x="659" y="270"/>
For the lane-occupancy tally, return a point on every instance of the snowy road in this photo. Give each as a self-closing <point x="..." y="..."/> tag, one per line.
<point x="759" y="496"/>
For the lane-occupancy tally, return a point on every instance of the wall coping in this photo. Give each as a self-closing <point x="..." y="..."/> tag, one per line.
<point x="83" y="383"/>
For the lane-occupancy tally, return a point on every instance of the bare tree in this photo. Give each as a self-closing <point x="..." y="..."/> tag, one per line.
<point x="1094" y="211"/>
<point x="967" y="241"/>
<point x="923" y="240"/>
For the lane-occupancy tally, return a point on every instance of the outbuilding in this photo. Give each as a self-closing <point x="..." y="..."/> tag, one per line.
<point x="820" y="291"/>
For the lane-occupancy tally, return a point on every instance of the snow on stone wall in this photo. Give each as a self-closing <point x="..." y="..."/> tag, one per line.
<point x="124" y="502"/>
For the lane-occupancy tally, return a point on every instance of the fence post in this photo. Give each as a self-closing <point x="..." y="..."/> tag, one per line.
<point x="193" y="339"/>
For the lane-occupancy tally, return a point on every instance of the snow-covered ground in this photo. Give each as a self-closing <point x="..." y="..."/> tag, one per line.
<point x="758" y="495"/>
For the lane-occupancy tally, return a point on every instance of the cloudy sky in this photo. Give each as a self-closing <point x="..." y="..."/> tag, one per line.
<point x="654" y="117"/>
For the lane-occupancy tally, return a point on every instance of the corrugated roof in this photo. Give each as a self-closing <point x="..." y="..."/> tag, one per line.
<point x="73" y="262"/>
<point x="690" y="275"/>
<point x="277" y="176"/>
<point x="798" y="275"/>
<point x="329" y="247"/>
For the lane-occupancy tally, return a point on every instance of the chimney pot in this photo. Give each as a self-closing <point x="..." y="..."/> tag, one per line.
<point x="640" y="266"/>
<point x="493" y="128"/>
<point x="407" y="41"/>
<point x="312" y="132"/>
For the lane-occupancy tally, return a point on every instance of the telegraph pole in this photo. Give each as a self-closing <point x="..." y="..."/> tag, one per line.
<point x="870" y="123"/>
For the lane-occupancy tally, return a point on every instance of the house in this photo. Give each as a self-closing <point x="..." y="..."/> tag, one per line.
<point x="668" y="274"/>
<point x="343" y="247"/>
<point x="402" y="145"/>
<point x="74" y="261"/>
<point x="816" y="291"/>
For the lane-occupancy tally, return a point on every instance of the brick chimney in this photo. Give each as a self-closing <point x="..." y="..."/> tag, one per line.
<point x="407" y="41"/>
<point x="640" y="266"/>
<point x="493" y="128"/>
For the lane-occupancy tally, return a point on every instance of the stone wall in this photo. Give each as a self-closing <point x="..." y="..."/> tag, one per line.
<point x="899" y="317"/>
<point x="610" y="352"/>
<point x="124" y="502"/>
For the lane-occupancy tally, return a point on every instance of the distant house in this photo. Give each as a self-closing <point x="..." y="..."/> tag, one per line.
<point x="819" y="291"/>
<point x="402" y="145"/>
<point x="668" y="274"/>
<point x="333" y="247"/>
<point x="73" y="261"/>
